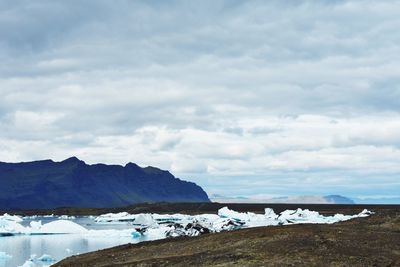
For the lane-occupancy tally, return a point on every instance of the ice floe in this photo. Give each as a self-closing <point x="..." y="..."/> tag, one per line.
<point x="46" y="258"/>
<point x="115" y="217"/>
<point x="28" y="263"/>
<point x="66" y="217"/>
<point x="36" y="228"/>
<point x="12" y="218"/>
<point x="158" y="226"/>
<point x="43" y="261"/>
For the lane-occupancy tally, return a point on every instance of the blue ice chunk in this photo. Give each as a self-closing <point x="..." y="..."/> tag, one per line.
<point x="136" y="234"/>
<point x="46" y="258"/>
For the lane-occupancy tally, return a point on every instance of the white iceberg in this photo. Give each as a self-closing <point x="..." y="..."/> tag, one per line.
<point x="158" y="226"/>
<point x="145" y="220"/>
<point x="36" y="228"/>
<point x="11" y="218"/>
<point x="250" y="219"/>
<point x="66" y="217"/>
<point x="115" y="217"/>
<point x="28" y="263"/>
<point x="10" y="227"/>
<point x="303" y="216"/>
<point x="60" y="227"/>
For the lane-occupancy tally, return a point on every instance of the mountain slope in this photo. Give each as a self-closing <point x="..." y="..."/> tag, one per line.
<point x="73" y="183"/>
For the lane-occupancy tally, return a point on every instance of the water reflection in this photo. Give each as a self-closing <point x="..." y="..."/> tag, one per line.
<point x="58" y="246"/>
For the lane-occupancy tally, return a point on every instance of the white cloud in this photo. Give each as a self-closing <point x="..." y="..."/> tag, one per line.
<point x="250" y="91"/>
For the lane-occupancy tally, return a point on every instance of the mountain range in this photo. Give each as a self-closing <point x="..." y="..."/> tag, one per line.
<point x="330" y="199"/>
<point x="73" y="183"/>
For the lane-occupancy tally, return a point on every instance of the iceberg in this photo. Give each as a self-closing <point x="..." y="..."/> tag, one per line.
<point x="158" y="226"/>
<point x="46" y="258"/>
<point x="303" y="216"/>
<point x="115" y="217"/>
<point x="66" y="217"/>
<point x="10" y="226"/>
<point x="306" y="216"/>
<point x="11" y="218"/>
<point x="28" y="263"/>
<point x="56" y="227"/>
<point x="250" y="219"/>
<point x="144" y="220"/>
<point x="36" y="228"/>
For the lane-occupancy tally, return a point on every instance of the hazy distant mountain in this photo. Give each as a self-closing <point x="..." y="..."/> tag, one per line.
<point x="331" y="199"/>
<point x="378" y="200"/>
<point x="337" y="199"/>
<point x="73" y="183"/>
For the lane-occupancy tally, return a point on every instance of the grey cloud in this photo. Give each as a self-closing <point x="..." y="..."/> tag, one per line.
<point x="253" y="84"/>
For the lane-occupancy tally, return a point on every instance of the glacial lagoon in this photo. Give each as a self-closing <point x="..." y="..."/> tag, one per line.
<point x="59" y="246"/>
<point x="43" y="240"/>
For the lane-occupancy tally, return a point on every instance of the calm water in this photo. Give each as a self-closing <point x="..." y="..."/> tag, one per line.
<point x="58" y="246"/>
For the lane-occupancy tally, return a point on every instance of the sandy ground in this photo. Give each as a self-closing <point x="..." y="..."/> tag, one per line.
<point x="372" y="241"/>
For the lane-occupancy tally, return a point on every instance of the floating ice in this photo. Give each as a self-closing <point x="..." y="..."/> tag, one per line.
<point x="28" y="263"/>
<point x="46" y="258"/>
<point x="8" y="227"/>
<point x="144" y="219"/>
<point x="12" y="218"/>
<point x="135" y="234"/>
<point x="60" y="227"/>
<point x="115" y="217"/>
<point x="66" y="217"/>
<point x="30" y="217"/>
<point x="157" y="226"/>
<point x="250" y="219"/>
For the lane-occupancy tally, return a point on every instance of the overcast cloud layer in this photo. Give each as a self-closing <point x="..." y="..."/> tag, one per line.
<point x="242" y="97"/>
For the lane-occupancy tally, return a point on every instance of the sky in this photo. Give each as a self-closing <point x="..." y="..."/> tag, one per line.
<point x="245" y="98"/>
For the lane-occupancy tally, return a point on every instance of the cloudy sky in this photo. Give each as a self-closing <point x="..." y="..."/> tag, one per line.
<point x="247" y="98"/>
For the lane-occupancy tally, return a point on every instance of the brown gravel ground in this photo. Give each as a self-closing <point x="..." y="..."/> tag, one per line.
<point x="372" y="241"/>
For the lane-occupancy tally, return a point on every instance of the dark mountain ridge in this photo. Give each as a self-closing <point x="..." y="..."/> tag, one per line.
<point x="73" y="183"/>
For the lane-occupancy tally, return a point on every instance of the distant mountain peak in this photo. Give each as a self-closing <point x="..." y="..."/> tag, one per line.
<point x="132" y="165"/>
<point x="72" y="159"/>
